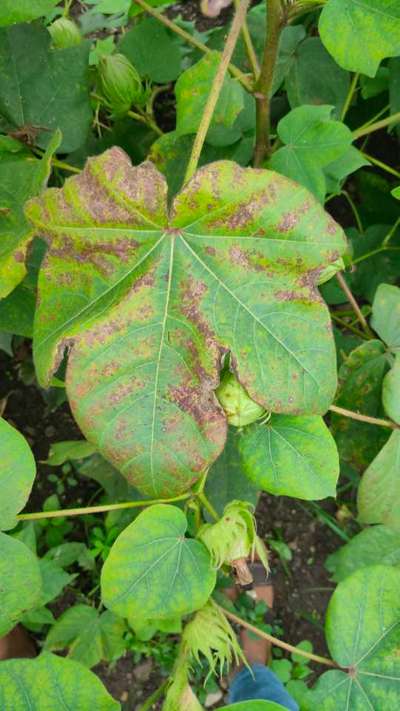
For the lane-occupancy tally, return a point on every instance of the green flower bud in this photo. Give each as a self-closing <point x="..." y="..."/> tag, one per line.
<point x="64" y="33"/>
<point x="179" y="694"/>
<point x="239" y="408"/>
<point x="120" y="82"/>
<point x="233" y="539"/>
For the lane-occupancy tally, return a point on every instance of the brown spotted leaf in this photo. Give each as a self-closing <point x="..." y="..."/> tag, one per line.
<point x="149" y="300"/>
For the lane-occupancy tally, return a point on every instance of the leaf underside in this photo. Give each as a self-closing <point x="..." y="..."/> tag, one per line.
<point x="148" y="301"/>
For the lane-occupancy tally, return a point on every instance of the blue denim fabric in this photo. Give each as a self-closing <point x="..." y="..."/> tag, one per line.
<point x="265" y="685"/>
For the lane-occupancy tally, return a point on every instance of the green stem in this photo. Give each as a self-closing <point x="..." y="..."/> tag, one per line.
<point x="373" y="252"/>
<point x="381" y="165"/>
<point x="207" y="505"/>
<point x="147" y="120"/>
<point x="250" y="51"/>
<point x="365" y="130"/>
<point x="344" y="324"/>
<point x="216" y="87"/>
<point x="65" y="166"/>
<point x="99" y="509"/>
<point x="390" y="235"/>
<point x="364" y="418"/>
<point x="350" y="95"/>
<point x="264" y="84"/>
<point x="354" y="210"/>
<point x="148" y="704"/>
<point x="376" y="117"/>
<point x="192" y="40"/>
<point x="345" y="288"/>
<point x="277" y="642"/>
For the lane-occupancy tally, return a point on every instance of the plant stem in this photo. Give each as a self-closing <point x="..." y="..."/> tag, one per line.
<point x="276" y="641"/>
<point x="98" y="509"/>
<point x="148" y="704"/>
<point x="343" y="323"/>
<point x="350" y="95"/>
<point x="216" y="87"/>
<point x="65" y="166"/>
<point x="381" y="165"/>
<point x="364" y="418"/>
<point x="353" y="302"/>
<point x="207" y="505"/>
<point x="376" y="117"/>
<point x="390" y="234"/>
<point x="264" y="84"/>
<point x="192" y="40"/>
<point x="365" y="130"/>
<point x="353" y="209"/>
<point x="147" y="120"/>
<point x="250" y="51"/>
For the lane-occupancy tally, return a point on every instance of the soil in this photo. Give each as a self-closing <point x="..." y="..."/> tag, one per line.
<point x="301" y="591"/>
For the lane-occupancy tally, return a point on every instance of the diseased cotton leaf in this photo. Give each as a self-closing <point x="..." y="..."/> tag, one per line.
<point x="148" y="300"/>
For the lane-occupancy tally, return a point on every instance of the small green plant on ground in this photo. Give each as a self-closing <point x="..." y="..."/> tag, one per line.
<point x="167" y="244"/>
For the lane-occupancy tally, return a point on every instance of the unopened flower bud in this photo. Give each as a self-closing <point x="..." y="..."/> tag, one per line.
<point x="64" y="33"/>
<point x="239" y="408"/>
<point x="120" y="82"/>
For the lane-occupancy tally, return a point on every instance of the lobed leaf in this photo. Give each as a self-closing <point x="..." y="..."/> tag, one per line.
<point x="47" y="89"/>
<point x="378" y="496"/>
<point x="148" y="302"/>
<point x="363" y="634"/>
<point x="312" y="141"/>
<point x="373" y="546"/>
<point x="48" y="683"/>
<point x="153" y="571"/>
<point x="360" y="33"/>
<point x="22" y="176"/>
<point x="21" y="583"/>
<point x="17" y="474"/>
<point x="291" y="456"/>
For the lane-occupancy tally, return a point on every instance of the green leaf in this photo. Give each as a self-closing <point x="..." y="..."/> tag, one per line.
<point x="20" y="588"/>
<point x="360" y="385"/>
<point x="49" y="682"/>
<point x="360" y="33"/>
<point x="289" y="41"/>
<point x="376" y="85"/>
<point x="152" y="51"/>
<point x="312" y="140"/>
<point x="291" y="456"/>
<point x="391" y="391"/>
<point x="394" y="86"/>
<point x="113" y="483"/>
<point x="363" y="633"/>
<point x="17" y="474"/>
<point x="46" y="89"/>
<point x="54" y="580"/>
<point x="61" y="452"/>
<point x="21" y="177"/>
<point x="380" y="267"/>
<point x="13" y="11"/>
<point x="374" y="545"/>
<point x="315" y="78"/>
<point x="17" y="311"/>
<point x="89" y="637"/>
<point x="153" y="571"/>
<point x="148" y="301"/>
<point x="378" y="496"/>
<point x="192" y="90"/>
<point x="66" y="554"/>
<point x="226" y="480"/>
<point x="386" y="314"/>
<point x="337" y="171"/>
